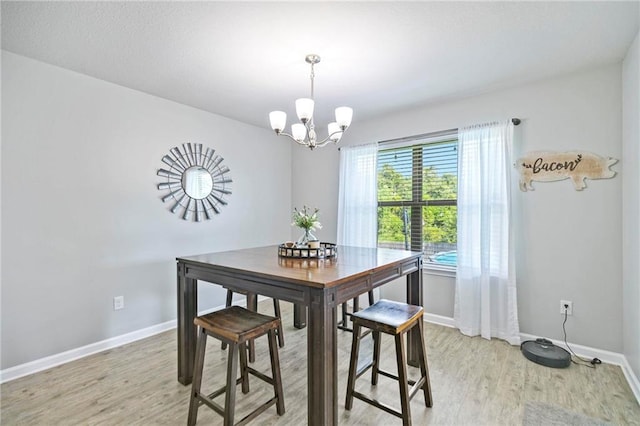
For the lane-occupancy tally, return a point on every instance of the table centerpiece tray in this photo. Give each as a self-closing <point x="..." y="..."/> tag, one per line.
<point x="324" y="251"/>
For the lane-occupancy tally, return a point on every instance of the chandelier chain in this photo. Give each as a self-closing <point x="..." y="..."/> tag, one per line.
<point x="313" y="75"/>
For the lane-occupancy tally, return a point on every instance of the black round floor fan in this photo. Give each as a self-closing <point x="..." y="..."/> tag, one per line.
<point x="544" y="352"/>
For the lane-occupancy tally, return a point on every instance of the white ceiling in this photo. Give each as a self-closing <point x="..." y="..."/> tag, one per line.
<point x="242" y="60"/>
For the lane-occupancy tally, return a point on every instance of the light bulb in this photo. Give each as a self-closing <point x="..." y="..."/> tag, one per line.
<point x="304" y="109"/>
<point x="335" y="133"/>
<point x="298" y="131"/>
<point x="344" y="116"/>
<point x="278" y="120"/>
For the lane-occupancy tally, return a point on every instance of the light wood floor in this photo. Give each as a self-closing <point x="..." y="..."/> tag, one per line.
<point x="474" y="382"/>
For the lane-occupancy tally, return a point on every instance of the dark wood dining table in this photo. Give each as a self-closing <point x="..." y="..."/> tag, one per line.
<point x="319" y="285"/>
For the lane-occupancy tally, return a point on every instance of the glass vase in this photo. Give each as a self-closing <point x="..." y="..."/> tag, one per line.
<point x="304" y="239"/>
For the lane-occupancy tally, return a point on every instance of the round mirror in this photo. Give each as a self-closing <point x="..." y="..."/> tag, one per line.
<point x="197" y="182"/>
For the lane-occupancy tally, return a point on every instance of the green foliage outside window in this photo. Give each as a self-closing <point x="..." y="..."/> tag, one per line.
<point x="439" y="222"/>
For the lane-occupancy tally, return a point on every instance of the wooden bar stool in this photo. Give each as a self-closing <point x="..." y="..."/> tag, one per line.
<point x="250" y="301"/>
<point x="396" y="319"/>
<point x="235" y="326"/>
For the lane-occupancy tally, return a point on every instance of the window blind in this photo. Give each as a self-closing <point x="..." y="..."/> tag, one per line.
<point x="419" y="173"/>
<point x="417" y="197"/>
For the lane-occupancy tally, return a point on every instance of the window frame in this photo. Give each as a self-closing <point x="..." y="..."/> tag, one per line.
<point x="416" y="204"/>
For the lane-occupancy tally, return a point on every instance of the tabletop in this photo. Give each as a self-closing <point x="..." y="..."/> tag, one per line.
<point x="349" y="263"/>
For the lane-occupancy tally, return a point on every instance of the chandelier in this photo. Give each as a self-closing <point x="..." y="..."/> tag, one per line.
<point x="304" y="133"/>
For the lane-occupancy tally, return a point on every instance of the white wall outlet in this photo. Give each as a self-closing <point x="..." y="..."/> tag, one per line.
<point x="118" y="303"/>
<point x="566" y="305"/>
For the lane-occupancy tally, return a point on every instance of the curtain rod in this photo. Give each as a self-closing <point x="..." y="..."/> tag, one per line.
<point x="515" y="122"/>
<point x="439" y="133"/>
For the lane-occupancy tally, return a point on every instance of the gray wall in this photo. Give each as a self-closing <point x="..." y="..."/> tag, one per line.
<point x="631" y="205"/>
<point x="82" y="220"/>
<point x="569" y="242"/>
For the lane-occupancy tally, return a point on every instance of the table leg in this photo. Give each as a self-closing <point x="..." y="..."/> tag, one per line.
<point x="187" y="331"/>
<point x="252" y="305"/>
<point x="414" y="297"/>
<point x="322" y="367"/>
<point x="299" y="316"/>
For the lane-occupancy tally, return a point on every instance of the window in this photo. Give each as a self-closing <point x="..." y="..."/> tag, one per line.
<point x="417" y="198"/>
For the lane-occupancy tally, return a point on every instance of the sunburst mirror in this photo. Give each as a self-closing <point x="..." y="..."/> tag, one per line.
<point x="196" y="182"/>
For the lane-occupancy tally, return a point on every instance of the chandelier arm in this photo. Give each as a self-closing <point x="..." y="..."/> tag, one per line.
<point x="335" y="133"/>
<point x="326" y="140"/>
<point x="292" y="138"/>
<point x="285" y="134"/>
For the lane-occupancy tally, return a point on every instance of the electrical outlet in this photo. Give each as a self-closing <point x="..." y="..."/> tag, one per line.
<point x="566" y="305"/>
<point x="118" y="303"/>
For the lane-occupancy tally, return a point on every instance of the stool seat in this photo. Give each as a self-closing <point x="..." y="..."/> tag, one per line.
<point x="396" y="319"/>
<point x="276" y="311"/>
<point x="387" y="316"/>
<point x="236" y="324"/>
<point x="236" y="327"/>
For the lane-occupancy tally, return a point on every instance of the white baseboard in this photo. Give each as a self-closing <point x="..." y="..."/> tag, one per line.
<point x="74" y="354"/>
<point x="439" y="320"/>
<point x="41" y="364"/>
<point x="632" y="379"/>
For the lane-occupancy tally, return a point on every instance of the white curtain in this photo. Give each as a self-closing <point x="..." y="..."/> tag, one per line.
<point x="485" y="297"/>
<point x="358" y="196"/>
<point x="358" y="200"/>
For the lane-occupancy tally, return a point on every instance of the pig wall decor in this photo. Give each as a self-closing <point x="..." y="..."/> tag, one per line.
<point x="548" y="166"/>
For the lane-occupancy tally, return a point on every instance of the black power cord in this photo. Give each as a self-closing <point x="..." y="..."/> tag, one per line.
<point x="583" y="362"/>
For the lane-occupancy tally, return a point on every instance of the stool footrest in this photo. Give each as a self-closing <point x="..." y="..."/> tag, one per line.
<point x="260" y="375"/>
<point x="416" y="387"/>
<point x="344" y="328"/>
<point x="207" y="400"/>
<point x="394" y="377"/>
<point x="222" y="390"/>
<point x="350" y="330"/>
<point x="363" y="369"/>
<point x="250" y="370"/>
<point x="377" y="404"/>
<point x="246" y="419"/>
<point x="342" y="324"/>
<point x="255" y="413"/>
